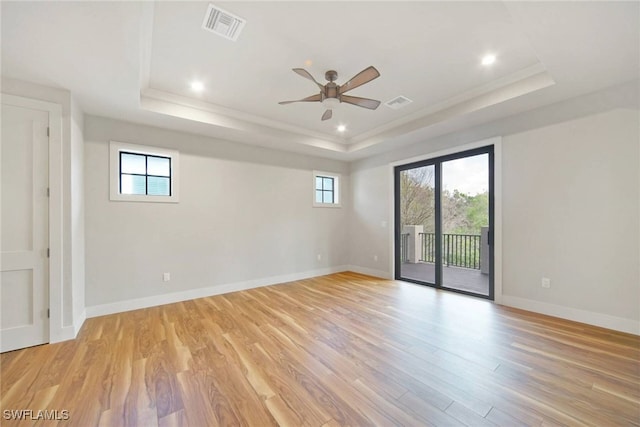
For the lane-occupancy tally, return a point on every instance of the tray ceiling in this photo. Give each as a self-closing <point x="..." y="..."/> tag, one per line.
<point x="137" y="60"/>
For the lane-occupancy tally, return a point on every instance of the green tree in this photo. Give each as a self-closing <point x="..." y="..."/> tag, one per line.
<point x="417" y="198"/>
<point x="461" y="213"/>
<point x="478" y="212"/>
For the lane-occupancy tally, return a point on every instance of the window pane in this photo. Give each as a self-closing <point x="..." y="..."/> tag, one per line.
<point x="328" y="183"/>
<point x="318" y="183"/>
<point x="132" y="163"/>
<point x="158" y="166"/>
<point x="318" y="196"/>
<point x="327" y="196"/>
<point x="157" y="186"/>
<point x="132" y="184"/>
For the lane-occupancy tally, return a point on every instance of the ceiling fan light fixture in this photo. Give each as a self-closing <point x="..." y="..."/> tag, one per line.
<point x="341" y="128"/>
<point x="330" y="103"/>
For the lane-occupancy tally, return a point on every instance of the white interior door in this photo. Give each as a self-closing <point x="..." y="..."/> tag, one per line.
<point x="24" y="266"/>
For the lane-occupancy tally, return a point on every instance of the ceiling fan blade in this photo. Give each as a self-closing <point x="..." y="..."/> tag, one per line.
<point x="304" y="73"/>
<point x="364" y="76"/>
<point x="327" y="115"/>
<point x="312" y="98"/>
<point x="371" y="104"/>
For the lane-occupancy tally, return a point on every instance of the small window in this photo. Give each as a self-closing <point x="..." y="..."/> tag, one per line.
<point x="326" y="188"/>
<point x="143" y="174"/>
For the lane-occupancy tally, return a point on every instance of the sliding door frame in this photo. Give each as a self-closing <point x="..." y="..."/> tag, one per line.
<point x="437" y="163"/>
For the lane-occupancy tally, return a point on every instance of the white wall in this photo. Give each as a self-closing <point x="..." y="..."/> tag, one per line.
<point x="370" y="222"/>
<point x="245" y="217"/>
<point x="571" y="197"/>
<point x="571" y="213"/>
<point x="66" y="315"/>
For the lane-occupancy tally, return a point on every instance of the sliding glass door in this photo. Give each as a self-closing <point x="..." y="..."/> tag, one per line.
<point x="444" y="222"/>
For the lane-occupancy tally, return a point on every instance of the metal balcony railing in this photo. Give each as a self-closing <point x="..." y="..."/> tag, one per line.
<point x="404" y="247"/>
<point x="458" y="250"/>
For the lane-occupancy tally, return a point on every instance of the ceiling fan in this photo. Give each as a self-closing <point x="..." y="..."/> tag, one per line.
<point x="331" y="94"/>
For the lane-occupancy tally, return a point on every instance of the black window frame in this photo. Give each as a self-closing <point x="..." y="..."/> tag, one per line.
<point x="145" y="175"/>
<point x="323" y="191"/>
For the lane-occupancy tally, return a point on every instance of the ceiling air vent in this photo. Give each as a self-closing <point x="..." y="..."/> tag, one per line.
<point x="398" y="102"/>
<point x="223" y="23"/>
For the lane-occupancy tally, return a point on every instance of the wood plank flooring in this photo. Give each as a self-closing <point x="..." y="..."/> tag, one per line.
<point x="344" y="349"/>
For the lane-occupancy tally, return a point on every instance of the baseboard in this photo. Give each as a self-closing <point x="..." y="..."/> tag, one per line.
<point x="77" y="324"/>
<point x="155" y="300"/>
<point x="69" y="332"/>
<point x="589" y="317"/>
<point x="370" y="272"/>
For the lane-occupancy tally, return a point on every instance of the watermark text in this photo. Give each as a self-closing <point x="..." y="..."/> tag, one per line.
<point x="31" y="415"/>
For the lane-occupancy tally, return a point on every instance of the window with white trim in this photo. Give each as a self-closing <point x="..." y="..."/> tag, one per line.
<point x="140" y="173"/>
<point x="326" y="189"/>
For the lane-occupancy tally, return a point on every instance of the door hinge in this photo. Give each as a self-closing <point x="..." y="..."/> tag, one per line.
<point x="48" y="313"/>
<point x="48" y="131"/>
<point x="48" y="192"/>
<point x="48" y="253"/>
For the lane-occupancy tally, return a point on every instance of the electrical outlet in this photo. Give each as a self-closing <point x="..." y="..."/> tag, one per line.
<point x="319" y="257"/>
<point x="166" y="277"/>
<point x="546" y="282"/>
<point x="375" y="257"/>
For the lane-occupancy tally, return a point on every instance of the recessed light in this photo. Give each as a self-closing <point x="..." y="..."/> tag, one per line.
<point x="488" y="60"/>
<point x="308" y="63"/>
<point x="342" y="128"/>
<point x="197" y="86"/>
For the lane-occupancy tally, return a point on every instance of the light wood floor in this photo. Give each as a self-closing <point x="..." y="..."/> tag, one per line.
<point x="344" y="349"/>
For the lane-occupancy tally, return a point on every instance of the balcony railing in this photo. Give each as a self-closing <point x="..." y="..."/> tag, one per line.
<point x="458" y="250"/>
<point x="427" y="247"/>
<point x="404" y="247"/>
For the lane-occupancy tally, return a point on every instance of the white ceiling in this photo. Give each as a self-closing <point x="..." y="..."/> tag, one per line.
<point x="136" y="60"/>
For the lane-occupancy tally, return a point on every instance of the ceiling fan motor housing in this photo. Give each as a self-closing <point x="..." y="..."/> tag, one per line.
<point x="331" y="90"/>
<point x="331" y="95"/>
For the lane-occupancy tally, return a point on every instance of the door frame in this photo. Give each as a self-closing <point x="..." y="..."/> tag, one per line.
<point x="497" y="205"/>
<point x="56" y="330"/>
